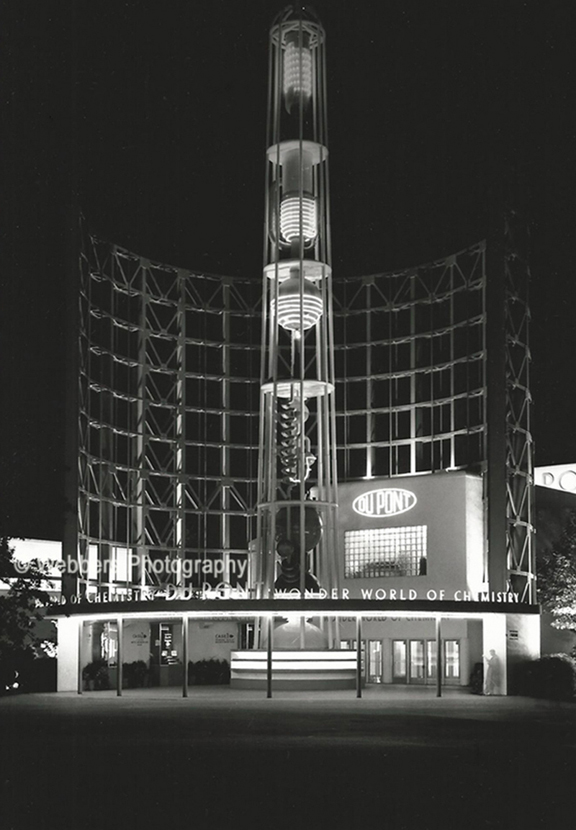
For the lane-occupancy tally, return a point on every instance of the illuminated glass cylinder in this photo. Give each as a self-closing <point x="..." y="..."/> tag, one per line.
<point x="298" y="210"/>
<point x="299" y="305"/>
<point x="297" y="70"/>
<point x="298" y="218"/>
<point x="296" y="453"/>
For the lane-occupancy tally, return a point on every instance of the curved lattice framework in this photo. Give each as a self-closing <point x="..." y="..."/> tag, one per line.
<point x="411" y="355"/>
<point x="169" y="389"/>
<point x="167" y="423"/>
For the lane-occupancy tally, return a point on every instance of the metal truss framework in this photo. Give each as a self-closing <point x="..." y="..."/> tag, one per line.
<point x="168" y="411"/>
<point x="411" y="353"/>
<point x="519" y="445"/>
<point x="169" y="393"/>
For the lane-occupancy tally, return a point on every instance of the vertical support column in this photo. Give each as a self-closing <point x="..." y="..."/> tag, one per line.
<point x="358" y="656"/>
<point x="120" y="656"/>
<point x="496" y="412"/>
<point x="270" y="635"/>
<point x="413" y="396"/>
<point x="337" y="643"/>
<point x="328" y="628"/>
<point x="180" y="450"/>
<point x="452" y="370"/>
<point x="139" y="442"/>
<point x="439" y="663"/>
<point x="185" y="655"/>
<point x="519" y="449"/>
<point x="80" y="635"/>
<point x="369" y="414"/>
<point x="76" y="319"/>
<point x="225" y="434"/>
<point x="69" y="655"/>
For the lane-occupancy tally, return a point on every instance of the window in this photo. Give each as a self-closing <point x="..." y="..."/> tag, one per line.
<point x="417" y="661"/>
<point x="451" y="659"/>
<point x="120" y="562"/>
<point x="385" y="551"/>
<point x="431" y="666"/>
<point x="375" y="661"/>
<point x="399" y="662"/>
<point x="93" y="569"/>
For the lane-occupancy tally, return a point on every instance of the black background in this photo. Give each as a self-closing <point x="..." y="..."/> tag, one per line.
<point x="153" y="113"/>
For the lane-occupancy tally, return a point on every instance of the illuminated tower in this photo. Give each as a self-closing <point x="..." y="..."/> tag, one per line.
<point x="297" y="498"/>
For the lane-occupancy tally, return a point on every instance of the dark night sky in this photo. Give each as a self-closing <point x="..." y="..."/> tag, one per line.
<point x="154" y="113"/>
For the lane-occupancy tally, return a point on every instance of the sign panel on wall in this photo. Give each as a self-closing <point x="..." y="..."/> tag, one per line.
<point x="389" y="501"/>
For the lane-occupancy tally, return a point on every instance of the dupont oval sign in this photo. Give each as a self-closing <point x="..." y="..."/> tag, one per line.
<point x="388" y="502"/>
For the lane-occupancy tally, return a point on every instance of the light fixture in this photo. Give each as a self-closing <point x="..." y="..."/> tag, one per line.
<point x="299" y="305"/>
<point x="297" y="70"/>
<point x="298" y="218"/>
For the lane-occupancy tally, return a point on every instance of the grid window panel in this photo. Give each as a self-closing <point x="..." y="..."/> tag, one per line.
<point x="423" y="456"/>
<point x="240" y="396"/>
<point x="381" y="461"/>
<point x="357" y="361"/>
<point x="381" y="426"/>
<point x="385" y="551"/>
<point x="356" y="395"/>
<point x="357" y="429"/>
<point x="356" y="463"/>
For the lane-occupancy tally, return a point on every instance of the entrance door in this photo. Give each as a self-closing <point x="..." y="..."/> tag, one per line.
<point x="417" y="661"/>
<point x="399" y="661"/>
<point x="431" y="662"/>
<point x="452" y="660"/>
<point x="374" y="661"/>
<point x="414" y="661"/>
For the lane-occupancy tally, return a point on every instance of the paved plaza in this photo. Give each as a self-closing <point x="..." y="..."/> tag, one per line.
<point x="397" y="758"/>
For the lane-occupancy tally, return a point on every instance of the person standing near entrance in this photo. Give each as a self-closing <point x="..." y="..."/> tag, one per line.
<point x="492" y="676"/>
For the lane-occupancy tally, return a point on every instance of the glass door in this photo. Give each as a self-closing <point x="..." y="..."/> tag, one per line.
<point x="399" y="661"/>
<point x="452" y="660"/>
<point x="374" y="661"/>
<point x="415" y="661"/>
<point x="431" y="663"/>
<point x="417" y="665"/>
